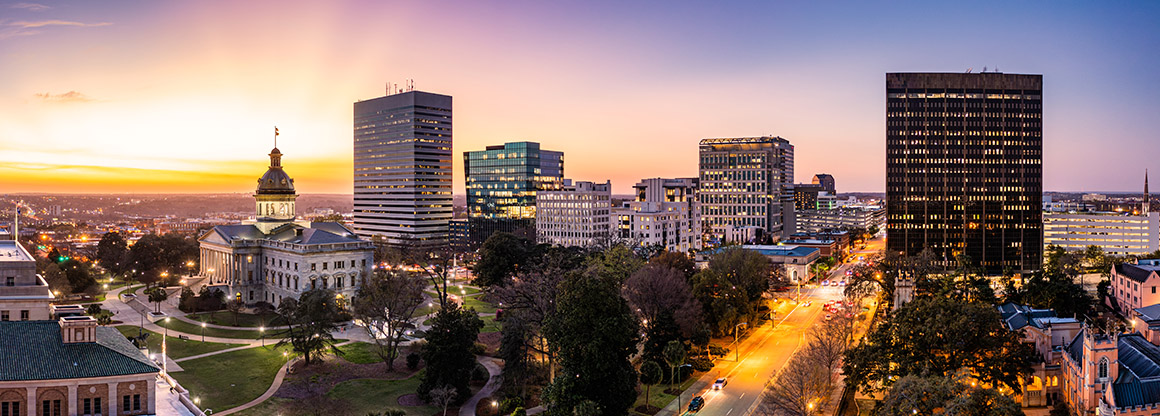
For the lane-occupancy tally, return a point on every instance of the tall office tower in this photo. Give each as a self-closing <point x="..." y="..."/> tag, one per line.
<point x="742" y="183"/>
<point x="502" y="181"/>
<point x="575" y="216"/>
<point x="964" y="167"/>
<point x="402" y="168"/>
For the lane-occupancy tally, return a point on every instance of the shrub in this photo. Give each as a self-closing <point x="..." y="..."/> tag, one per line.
<point x="510" y="404"/>
<point x="479" y="349"/>
<point x="479" y="373"/>
<point x="701" y="363"/>
<point x="413" y="361"/>
<point x="520" y="412"/>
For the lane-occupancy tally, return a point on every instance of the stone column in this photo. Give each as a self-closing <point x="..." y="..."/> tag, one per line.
<point x="151" y="396"/>
<point x="72" y="399"/>
<point x="112" y="408"/>
<point x="31" y="400"/>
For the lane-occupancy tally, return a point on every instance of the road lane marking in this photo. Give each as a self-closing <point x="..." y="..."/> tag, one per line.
<point x="730" y="411"/>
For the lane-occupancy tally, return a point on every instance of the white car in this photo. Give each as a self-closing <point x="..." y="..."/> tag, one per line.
<point x="720" y="383"/>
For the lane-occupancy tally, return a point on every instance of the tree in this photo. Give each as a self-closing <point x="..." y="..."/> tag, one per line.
<point x="617" y="263"/>
<point x="675" y="357"/>
<point x="77" y="273"/>
<point x="157" y="295"/>
<point x="800" y="389"/>
<point x="724" y="304"/>
<point x="531" y="299"/>
<point x="448" y="351"/>
<point x="748" y="270"/>
<point x="385" y="307"/>
<point x="595" y="333"/>
<point x="1060" y="409"/>
<point x="310" y="321"/>
<point x="828" y="343"/>
<point x="443" y="396"/>
<point x="234" y="305"/>
<point x="947" y="396"/>
<point x="514" y="347"/>
<point x="650" y="374"/>
<point x="154" y="254"/>
<point x="1056" y="291"/>
<point x="113" y="252"/>
<point x="655" y="290"/>
<point x="676" y="261"/>
<point x="500" y="258"/>
<point x="939" y="337"/>
<point x="56" y="279"/>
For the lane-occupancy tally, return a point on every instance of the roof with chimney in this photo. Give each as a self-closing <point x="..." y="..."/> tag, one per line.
<point x="33" y="350"/>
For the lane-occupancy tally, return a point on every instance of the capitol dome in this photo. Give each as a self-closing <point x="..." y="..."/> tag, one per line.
<point x="275" y="181"/>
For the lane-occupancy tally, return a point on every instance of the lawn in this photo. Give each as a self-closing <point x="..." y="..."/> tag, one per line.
<point x="660" y="399"/>
<point x="479" y="305"/>
<point x="372" y="395"/>
<point x="195" y="330"/>
<point x="490" y="324"/>
<point x="176" y="347"/>
<point x="427" y="309"/>
<point x="231" y="379"/>
<point x="456" y="290"/>
<point x="361" y="353"/>
<point x="244" y="319"/>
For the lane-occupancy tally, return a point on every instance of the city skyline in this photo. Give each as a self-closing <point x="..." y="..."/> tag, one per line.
<point x="179" y="97"/>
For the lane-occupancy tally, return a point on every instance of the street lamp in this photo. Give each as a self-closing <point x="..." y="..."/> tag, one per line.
<point x="203" y="332"/>
<point x="262" y="334"/>
<point x="164" y="349"/>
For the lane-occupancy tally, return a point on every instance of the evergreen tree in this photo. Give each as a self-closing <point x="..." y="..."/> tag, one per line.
<point x="448" y="351"/>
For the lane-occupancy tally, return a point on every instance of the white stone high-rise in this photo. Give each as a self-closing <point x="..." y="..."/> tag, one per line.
<point x="664" y="213"/>
<point x="579" y="215"/>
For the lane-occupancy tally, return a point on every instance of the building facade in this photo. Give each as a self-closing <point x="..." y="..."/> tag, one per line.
<point x="578" y="215"/>
<point x="664" y="213"/>
<point x="1121" y="234"/>
<point x="24" y="295"/>
<point x="850" y="217"/>
<point x="742" y="181"/>
<point x="964" y="167"/>
<point x="1133" y="286"/>
<point x="502" y="182"/>
<point x="1048" y="334"/>
<point x="402" y="169"/>
<point x="276" y="256"/>
<point x="827" y="182"/>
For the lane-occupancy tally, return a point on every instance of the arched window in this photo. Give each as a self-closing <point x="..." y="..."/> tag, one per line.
<point x="1102" y="369"/>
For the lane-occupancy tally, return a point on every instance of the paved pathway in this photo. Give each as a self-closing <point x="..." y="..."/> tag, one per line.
<point x="492" y="366"/>
<point x="277" y="384"/>
<point x="169" y="403"/>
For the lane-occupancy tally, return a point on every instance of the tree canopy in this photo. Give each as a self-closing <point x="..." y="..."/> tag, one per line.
<point x="939" y="336"/>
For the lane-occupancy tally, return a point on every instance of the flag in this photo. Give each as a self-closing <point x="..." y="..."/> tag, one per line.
<point x="275" y="130"/>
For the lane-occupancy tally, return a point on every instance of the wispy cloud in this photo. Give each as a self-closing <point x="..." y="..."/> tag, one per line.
<point x="68" y="97"/>
<point x="42" y="23"/>
<point x="32" y="7"/>
<point x="11" y="29"/>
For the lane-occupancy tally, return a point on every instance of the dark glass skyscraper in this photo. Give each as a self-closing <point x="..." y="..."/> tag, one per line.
<point x="501" y="187"/>
<point x="964" y="167"/>
<point x="402" y="168"/>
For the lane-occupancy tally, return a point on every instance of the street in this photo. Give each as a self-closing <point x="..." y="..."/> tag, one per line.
<point x="768" y="348"/>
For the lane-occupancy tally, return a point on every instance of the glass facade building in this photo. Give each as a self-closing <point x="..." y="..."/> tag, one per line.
<point x="964" y="159"/>
<point x="402" y="168"/>
<point x="502" y="182"/>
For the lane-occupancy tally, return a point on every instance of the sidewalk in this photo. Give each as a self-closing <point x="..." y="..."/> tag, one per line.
<point x="493" y="370"/>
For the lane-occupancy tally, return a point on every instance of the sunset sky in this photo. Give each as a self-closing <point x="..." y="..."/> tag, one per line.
<point x="167" y="96"/>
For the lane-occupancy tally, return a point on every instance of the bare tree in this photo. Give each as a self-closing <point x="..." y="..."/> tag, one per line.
<point x="828" y="343"/>
<point x="655" y="290"/>
<point x="800" y="390"/>
<point x="385" y="308"/>
<point x="532" y="295"/>
<point x="442" y="397"/>
<point x="434" y="263"/>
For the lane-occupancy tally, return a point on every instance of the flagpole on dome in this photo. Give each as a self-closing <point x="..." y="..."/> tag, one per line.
<point x="275" y="137"/>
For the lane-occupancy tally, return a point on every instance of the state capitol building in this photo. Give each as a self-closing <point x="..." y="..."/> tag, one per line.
<point x="276" y="256"/>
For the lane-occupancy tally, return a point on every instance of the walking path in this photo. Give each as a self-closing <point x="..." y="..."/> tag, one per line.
<point x="492" y="366"/>
<point x="277" y="384"/>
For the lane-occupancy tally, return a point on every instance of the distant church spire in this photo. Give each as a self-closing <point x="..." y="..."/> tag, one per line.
<point x="1146" y="205"/>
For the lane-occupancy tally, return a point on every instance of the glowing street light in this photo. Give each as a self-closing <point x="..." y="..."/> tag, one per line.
<point x="262" y="332"/>
<point x="203" y="332"/>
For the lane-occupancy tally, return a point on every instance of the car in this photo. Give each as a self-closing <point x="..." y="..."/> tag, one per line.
<point x="696" y="404"/>
<point x="842" y="283"/>
<point x="808" y="303"/>
<point x="825" y="283"/>
<point x="720" y="383"/>
<point x="829" y="317"/>
<point x="849" y="272"/>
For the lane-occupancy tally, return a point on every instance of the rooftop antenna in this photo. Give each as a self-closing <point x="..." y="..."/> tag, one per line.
<point x="969" y="69"/>
<point x="984" y="69"/>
